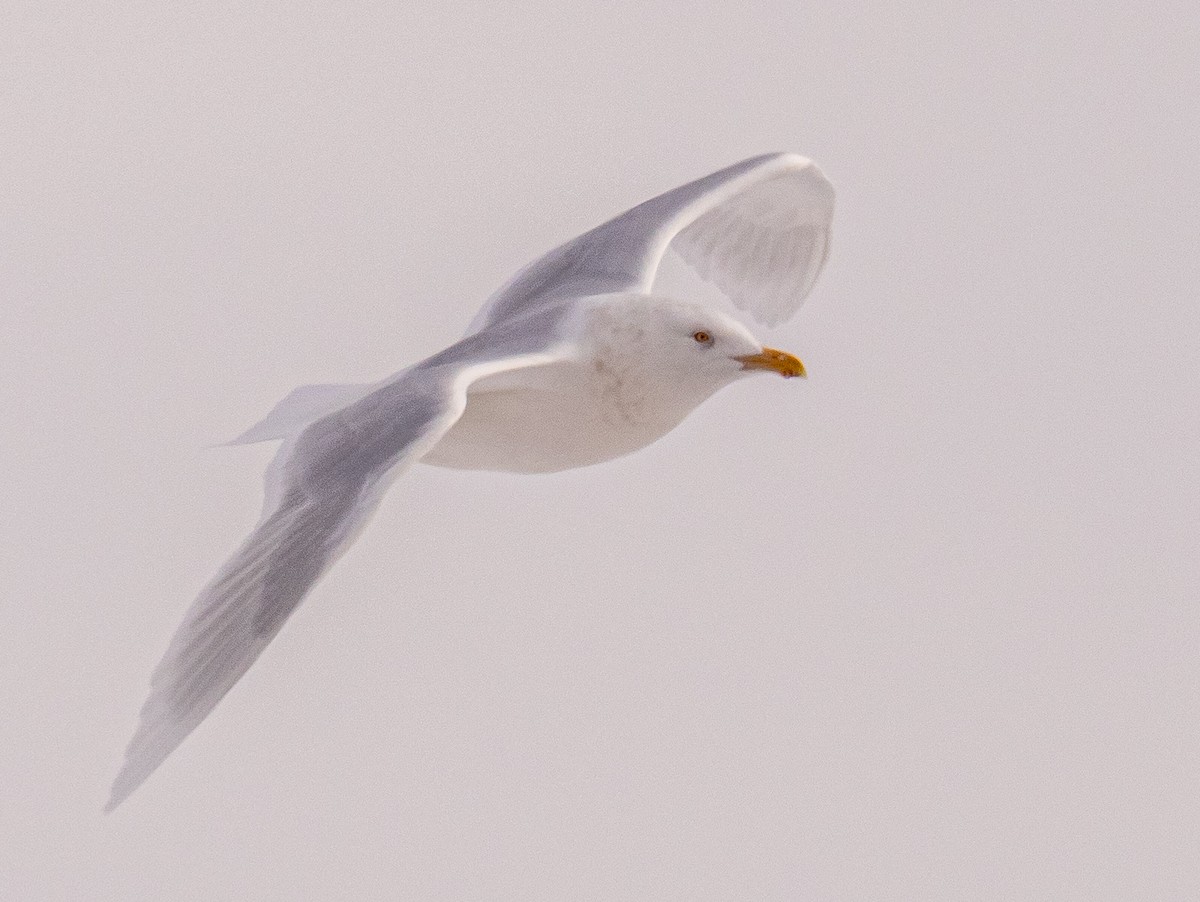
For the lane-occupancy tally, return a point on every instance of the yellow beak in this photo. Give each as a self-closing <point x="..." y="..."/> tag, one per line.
<point x="779" y="362"/>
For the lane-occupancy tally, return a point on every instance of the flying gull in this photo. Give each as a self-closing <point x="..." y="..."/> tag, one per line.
<point x="574" y="361"/>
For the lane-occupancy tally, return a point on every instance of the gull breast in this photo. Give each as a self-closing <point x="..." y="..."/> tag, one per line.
<point x="550" y="418"/>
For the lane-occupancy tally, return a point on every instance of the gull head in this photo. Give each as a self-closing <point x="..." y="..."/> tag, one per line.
<point x="679" y="343"/>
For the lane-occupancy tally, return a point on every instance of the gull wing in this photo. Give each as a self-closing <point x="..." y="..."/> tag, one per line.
<point x="326" y="484"/>
<point x="759" y="230"/>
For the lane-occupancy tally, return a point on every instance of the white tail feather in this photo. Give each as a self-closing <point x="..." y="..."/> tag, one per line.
<point x="302" y="406"/>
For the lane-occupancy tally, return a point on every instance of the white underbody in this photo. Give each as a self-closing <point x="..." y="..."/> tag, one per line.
<point x="557" y="417"/>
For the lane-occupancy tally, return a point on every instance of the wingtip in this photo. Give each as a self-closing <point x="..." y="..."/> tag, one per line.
<point x="132" y="775"/>
<point x="122" y="789"/>
<point x="153" y="742"/>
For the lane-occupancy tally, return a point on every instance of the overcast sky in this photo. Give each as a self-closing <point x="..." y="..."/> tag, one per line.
<point x="922" y="627"/>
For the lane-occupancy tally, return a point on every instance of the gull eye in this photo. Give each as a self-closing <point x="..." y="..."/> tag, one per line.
<point x="705" y="338"/>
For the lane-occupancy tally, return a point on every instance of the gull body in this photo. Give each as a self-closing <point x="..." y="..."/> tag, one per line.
<point x="573" y="362"/>
<point x="630" y="377"/>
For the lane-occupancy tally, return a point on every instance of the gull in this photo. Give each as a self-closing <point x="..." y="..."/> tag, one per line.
<point x="573" y="362"/>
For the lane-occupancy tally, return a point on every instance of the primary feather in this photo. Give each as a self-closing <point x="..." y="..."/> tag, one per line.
<point x="759" y="230"/>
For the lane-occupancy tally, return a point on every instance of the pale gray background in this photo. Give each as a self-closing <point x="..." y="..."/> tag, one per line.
<point x="923" y="627"/>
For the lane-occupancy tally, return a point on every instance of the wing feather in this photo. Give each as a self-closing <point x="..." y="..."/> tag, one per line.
<point x="328" y="482"/>
<point x="728" y="226"/>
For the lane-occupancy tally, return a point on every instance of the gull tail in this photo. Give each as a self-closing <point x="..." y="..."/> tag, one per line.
<point x="302" y="406"/>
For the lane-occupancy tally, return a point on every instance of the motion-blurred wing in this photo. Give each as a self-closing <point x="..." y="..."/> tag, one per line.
<point x="759" y="230"/>
<point x="327" y="486"/>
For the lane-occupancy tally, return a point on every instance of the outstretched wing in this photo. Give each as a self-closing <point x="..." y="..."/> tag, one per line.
<point x="759" y="230"/>
<point x="329" y="484"/>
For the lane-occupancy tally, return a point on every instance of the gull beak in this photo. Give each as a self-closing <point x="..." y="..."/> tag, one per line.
<point x="779" y="362"/>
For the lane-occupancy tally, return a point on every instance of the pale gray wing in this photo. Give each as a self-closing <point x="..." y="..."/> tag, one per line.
<point x="328" y="485"/>
<point x="759" y="230"/>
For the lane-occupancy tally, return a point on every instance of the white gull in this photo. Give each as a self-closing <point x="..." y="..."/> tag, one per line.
<point x="573" y="362"/>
